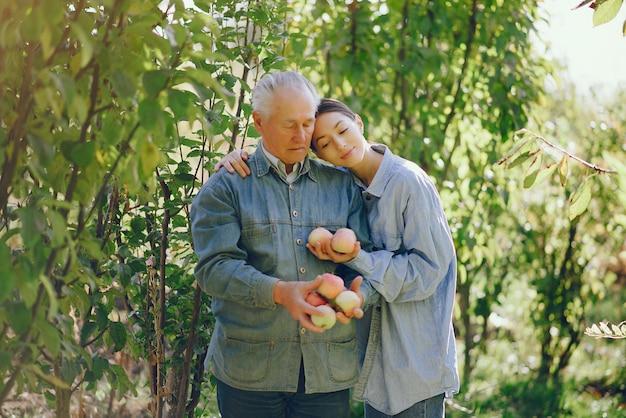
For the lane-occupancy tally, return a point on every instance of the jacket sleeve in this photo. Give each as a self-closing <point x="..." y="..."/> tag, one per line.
<point x="426" y="257"/>
<point x="222" y="270"/>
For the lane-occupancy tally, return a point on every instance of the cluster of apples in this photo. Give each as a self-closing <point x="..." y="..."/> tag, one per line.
<point x="332" y="296"/>
<point x="342" y="241"/>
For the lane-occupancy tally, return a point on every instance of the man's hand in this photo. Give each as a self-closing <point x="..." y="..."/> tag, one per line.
<point x="292" y="296"/>
<point x="344" y="318"/>
<point x="234" y="161"/>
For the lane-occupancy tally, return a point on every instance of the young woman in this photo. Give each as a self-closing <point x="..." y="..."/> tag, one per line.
<point x="409" y="364"/>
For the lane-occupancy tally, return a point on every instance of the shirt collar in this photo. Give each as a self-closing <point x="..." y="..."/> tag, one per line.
<point x="280" y="166"/>
<point x="381" y="178"/>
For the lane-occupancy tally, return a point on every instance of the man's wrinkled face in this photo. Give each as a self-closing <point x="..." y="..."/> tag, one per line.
<point x="288" y="129"/>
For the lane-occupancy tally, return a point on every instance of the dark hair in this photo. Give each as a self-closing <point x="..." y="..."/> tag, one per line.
<point x="332" y="105"/>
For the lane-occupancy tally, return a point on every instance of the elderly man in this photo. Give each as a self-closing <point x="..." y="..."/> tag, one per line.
<point x="250" y="236"/>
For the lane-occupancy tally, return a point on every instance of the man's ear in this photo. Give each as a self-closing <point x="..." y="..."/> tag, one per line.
<point x="258" y="121"/>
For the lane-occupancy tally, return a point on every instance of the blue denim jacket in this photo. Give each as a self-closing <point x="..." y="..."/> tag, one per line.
<point x="248" y="234"/>
<point x="411" y="352"/>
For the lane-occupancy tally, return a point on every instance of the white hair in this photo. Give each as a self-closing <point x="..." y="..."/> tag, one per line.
<point x="264" y="90"/>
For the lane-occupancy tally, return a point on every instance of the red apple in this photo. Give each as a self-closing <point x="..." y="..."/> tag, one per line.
<point x="327" y="320"/>
<point x="331" y="286"/>
<point x="315" y="299"/>
<point x="347" y="301"/>
<point x="321" y="235"/>
<point x="343" y="240"/>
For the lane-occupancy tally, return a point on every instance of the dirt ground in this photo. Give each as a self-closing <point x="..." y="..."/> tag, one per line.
<point x="98" y="405"/>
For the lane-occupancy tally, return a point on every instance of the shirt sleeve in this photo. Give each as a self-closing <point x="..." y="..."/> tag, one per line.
<point x="413" y="272"/>
<point x="222" y="270"/>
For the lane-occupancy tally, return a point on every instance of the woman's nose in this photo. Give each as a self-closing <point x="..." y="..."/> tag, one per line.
<point x="340" y="143"/>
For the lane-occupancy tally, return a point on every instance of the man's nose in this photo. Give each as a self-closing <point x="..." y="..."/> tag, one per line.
<point x="301" y="133"/>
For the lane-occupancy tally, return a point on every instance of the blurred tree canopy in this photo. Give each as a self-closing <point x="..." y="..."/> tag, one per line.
<point x="113" y="113"/>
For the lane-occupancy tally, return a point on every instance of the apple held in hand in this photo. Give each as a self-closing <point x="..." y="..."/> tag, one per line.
<point x="327" y="320"/>
<point x="320" y="235"/>
<point x="331" y="286"/>
<point x="343" y="240"/>
<point x="347" y="301"/>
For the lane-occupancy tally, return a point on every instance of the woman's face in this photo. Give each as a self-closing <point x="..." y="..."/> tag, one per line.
<point x="339" y="139"/>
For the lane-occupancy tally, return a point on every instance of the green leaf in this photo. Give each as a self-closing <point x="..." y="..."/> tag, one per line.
<point x="563" y="170"/>
<point x="123" y="383"/>
<point x="49" y="337"/>
<point x="580" y="199"/>
<point x="178" y="101"/>
<point x="5" y="360"/>
<point x="99" y="366"/>
<point x="605" y="11"/>
<point x="53" y="299"/>
<point x="19" y="317"/>
<point x="66" y="86"/>
<point x="149" y="113"/>
<point x="117" y="331"/>
<point x="185" y="178"/>
<point x="122" y="84"/>
<point x="86" y="52"/>
<point x="102" y="317"/>
<point x="7" y="280"/>
<point x="59" y="229"/>
<point x="544" y="173"/>
<point x="86" y="331"/>
<point x="154" y="82"/>
<point x="33" y="225"/>
<point x="149" y="157"/>
<point x="520" y="159"/>
<point x="81" y="154"/>
<point x="531" y="173"/>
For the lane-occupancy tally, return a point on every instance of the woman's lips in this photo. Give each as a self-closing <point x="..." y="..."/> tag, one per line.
<point x="347" y="154"/>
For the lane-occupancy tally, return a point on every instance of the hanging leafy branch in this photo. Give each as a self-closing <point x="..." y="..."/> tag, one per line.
<point x="532" y="147"/>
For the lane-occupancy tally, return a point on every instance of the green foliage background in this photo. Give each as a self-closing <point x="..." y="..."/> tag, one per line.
<point x="113" y="113"/>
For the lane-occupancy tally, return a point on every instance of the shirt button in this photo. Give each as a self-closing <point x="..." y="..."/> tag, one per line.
<point x="290" y="186"/>
<point x="295" y="213"/>
<point x="299" y="241"/>
<point x="302" y="330"/>
<point x="302" y="270"/>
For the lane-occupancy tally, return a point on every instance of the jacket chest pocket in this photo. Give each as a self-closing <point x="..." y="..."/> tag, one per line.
<point x="261" y="245"/>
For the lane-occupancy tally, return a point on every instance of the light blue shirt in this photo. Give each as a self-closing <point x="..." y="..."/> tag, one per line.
<point x="411" y="352"/>
<point x="248" y="234"/>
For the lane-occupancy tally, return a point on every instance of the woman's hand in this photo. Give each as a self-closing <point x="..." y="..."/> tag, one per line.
<point x="324" y="251"/>
<point x="345" y="317"/>
<point x="234" y="161"/>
